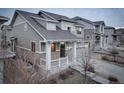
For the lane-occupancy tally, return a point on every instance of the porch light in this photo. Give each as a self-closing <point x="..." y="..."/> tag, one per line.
<point x="62" y="42"/>
<point x="52" y="45"/>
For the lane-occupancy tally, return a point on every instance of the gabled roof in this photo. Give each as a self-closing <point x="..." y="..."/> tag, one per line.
<point x="58" y="35"/>
<point x="109" y="27"/>
<point x="98" y="22"/>
<point x="4" y="18"/>
<point x="83" y="19"/>
<point x="58" y="17"/>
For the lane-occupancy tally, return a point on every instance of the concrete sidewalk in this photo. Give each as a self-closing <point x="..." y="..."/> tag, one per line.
<point x="106" y="69"/>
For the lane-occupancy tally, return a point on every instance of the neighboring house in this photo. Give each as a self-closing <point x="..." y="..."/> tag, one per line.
<point x="99" y="36"/>
<point x="46" y="34"/>
<point x="109" y="31"/>
<point x="86" y="32"/>
<point x="119" y="37"/>
<point x="2" y="21"/>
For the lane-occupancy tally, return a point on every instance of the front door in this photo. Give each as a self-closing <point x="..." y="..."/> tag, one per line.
<point x="62" y="49"/>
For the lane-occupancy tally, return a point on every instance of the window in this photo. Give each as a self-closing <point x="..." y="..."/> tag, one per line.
<point x="88" y="37"/>
<point x="78" y="32"/>
<point x="51" y="26"/>
<point x="114" y="38"/>
<point x="69" y="28"/>
<point x="33" y="46"/>
<point x="78" y="29"/>
<point x="42" y="46"/>
<point x="57" y="45"/>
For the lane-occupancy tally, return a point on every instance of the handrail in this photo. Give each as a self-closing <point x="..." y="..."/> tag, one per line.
<point x="59" y="59"/>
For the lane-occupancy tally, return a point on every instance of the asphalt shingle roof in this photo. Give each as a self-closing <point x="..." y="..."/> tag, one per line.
<point x="98" y="22"/>
<point x="49" y="35"/>
<point x="109" y="27"/>
<point x="80" y="18"/>
<point x="58" y="17"/>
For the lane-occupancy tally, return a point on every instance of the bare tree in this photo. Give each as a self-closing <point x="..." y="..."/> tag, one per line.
<point x="86" y="63"/>
<point x="24" y="69"/>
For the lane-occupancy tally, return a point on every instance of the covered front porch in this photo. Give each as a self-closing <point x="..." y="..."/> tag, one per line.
<point x="57" y="55"/>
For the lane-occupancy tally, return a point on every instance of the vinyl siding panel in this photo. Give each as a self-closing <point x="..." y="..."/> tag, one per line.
<point x="25" y="34"/>
<point x="86" y="25"/>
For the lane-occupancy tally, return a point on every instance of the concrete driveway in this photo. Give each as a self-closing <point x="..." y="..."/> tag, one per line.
<point x="107" y="69"/>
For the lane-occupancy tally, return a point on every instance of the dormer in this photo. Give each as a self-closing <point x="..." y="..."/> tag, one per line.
<point x="64" y="22"/>
<point x="51" y="26"/>
<point x="99" y="25"/>
<point x="46" y="23"/>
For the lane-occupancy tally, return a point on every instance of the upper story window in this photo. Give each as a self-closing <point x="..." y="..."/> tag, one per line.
<point x="51" y="26"/>
<point x="33" y="46"/>
<point x="79" y="30"/>
<point x="69" y="28"/>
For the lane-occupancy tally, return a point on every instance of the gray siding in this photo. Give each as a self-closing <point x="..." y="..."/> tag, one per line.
<point x="86" y="25"/>
<point x="109" y="32"/>
<point x="25" y="36"/>
<point x="18" y="20"/>
<point x="88" y="34"/>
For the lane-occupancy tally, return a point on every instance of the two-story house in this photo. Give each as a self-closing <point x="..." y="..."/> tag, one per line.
<point x="86" y="32"/>
<point x="118" y="37"/>
<point x="99" y="36"/>
<point x="109" y="40"/>
<point x="3" y="52"/>
<point x="47" y="35"/>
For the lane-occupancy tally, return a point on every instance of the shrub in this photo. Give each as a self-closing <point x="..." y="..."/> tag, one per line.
<point x="114" y="53"/>
<point x="63" y="75"/>
<point x="104" y="58"/>
<point x="113" y="79"/>
<point x="91" y="69"/>
<point x="52" y="81"/>
<point x="69" y="72"/>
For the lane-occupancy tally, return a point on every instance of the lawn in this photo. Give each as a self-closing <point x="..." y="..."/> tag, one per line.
<point x="76" y="78"/>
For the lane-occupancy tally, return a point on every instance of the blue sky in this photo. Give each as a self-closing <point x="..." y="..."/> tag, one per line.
<point x="111" y="16"/>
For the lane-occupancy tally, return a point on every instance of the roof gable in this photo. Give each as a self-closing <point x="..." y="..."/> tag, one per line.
<point x="44" y="33"/>
<point x="58" y="17"/>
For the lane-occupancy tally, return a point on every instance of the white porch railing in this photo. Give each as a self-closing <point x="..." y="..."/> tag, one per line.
<point x="56" y="64"/>
<point x="43" y="63"/>
<point x="59" y="64"/>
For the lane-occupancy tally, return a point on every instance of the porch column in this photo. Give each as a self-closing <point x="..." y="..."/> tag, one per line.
<point x="101" y="42"/>
<point x="48" y="56"/>
<point x="74" y="52"/>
